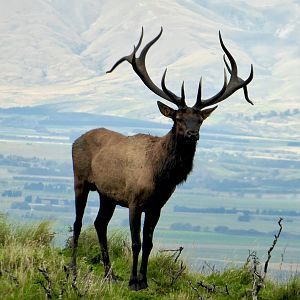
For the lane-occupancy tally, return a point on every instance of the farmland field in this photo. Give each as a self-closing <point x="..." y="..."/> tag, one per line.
<point x="230" y="205"/>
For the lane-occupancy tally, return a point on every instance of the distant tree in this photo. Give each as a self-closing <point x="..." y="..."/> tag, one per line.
<point x="20" y="205"/>
<point x="28" y="199"/>
<point x="184" y="227"/>
<point x="245" y="217"/>
<point x="11" y="193"/>
<point x="38" y="200"/>
<point x="222" y="229"/>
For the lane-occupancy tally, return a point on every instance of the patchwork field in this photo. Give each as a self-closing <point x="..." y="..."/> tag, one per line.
<point x="230" y="205"/>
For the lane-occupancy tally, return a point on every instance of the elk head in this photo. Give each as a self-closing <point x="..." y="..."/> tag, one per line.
<point x="187" y="120"/>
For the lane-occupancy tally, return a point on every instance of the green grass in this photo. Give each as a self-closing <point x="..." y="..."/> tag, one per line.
<point x="32" y="268"/>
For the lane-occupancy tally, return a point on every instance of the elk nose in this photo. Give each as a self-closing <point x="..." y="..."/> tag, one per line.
<point x="192" y="134"/>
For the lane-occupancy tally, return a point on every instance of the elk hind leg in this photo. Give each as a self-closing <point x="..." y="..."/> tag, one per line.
<point x="81" y="195"/>
<point x="107" y="208"/>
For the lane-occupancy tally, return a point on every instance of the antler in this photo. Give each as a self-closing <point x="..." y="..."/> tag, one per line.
<point x="138" y="65"/>
<point x="233" y="85"/>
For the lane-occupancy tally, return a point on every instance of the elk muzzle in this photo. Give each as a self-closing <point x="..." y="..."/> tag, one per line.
<point x="192" y="135"/>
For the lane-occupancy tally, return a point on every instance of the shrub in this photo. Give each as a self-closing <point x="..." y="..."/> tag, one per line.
<point x="4" y="229"/>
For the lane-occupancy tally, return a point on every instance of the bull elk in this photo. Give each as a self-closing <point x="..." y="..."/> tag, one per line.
<point x="141" y="172"/>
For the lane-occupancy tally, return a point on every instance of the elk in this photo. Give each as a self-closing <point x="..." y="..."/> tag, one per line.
<point x="141" y="172"/>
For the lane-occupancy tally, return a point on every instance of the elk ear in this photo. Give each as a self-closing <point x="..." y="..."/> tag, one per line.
<point x="206" y="112"/>
<point x="166" y="110"/>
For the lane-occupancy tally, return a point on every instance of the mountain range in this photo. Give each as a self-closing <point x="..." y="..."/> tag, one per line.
<point x="58" y="51"/>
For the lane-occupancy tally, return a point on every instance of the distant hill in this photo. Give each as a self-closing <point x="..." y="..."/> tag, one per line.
<point x="47" y="115"/>
<point x="55" y="51"/>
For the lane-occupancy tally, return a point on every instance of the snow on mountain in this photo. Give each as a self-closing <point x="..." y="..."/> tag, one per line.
<point x="57" y="51"/>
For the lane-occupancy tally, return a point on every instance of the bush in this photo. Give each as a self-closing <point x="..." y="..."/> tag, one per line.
<point x="4" y="229"/>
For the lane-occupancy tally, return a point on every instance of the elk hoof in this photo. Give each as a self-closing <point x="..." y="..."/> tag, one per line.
<point x="133" y="284"/>
<point x="143" y="284"/>
<point x="136" y="285"/>
<point x="111" y="277"/>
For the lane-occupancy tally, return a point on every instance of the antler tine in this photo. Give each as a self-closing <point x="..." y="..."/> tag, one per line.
<point x="202" y="103"/>
<point x="147" y="47"/>
<point x="179" y="101"/>
<point x="245" y="86"/>
<point x="226" y="64"/>
<point x="245" y="82"/>
<point x="234" y="83"/>
<point x="130" y="56"/>
<point x="182" y="93"/>
<point x="199" y="94"/>
<point x="139" y="66"/>
<point x="233" y="69"/>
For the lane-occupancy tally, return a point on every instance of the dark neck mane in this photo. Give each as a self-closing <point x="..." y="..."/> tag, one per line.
<point x="177" y="162"/>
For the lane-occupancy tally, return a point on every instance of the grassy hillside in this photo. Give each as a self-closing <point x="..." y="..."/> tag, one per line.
<point x="31" y="268"/>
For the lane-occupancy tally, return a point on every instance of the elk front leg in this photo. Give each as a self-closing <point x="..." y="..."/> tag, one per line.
<point x="151" y="219"/>
<point x="107" y="208"/>
<point x="135" y="228"/>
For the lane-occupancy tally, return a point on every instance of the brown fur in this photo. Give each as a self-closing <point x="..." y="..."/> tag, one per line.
<point x="139" y="172"/>
<point x="135" y="166"/>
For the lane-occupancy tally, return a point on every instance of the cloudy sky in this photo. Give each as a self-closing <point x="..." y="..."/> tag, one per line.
<point x="57" y="52"/>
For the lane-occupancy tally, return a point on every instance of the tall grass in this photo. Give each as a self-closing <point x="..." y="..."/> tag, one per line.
<point x="31" y="268"/>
